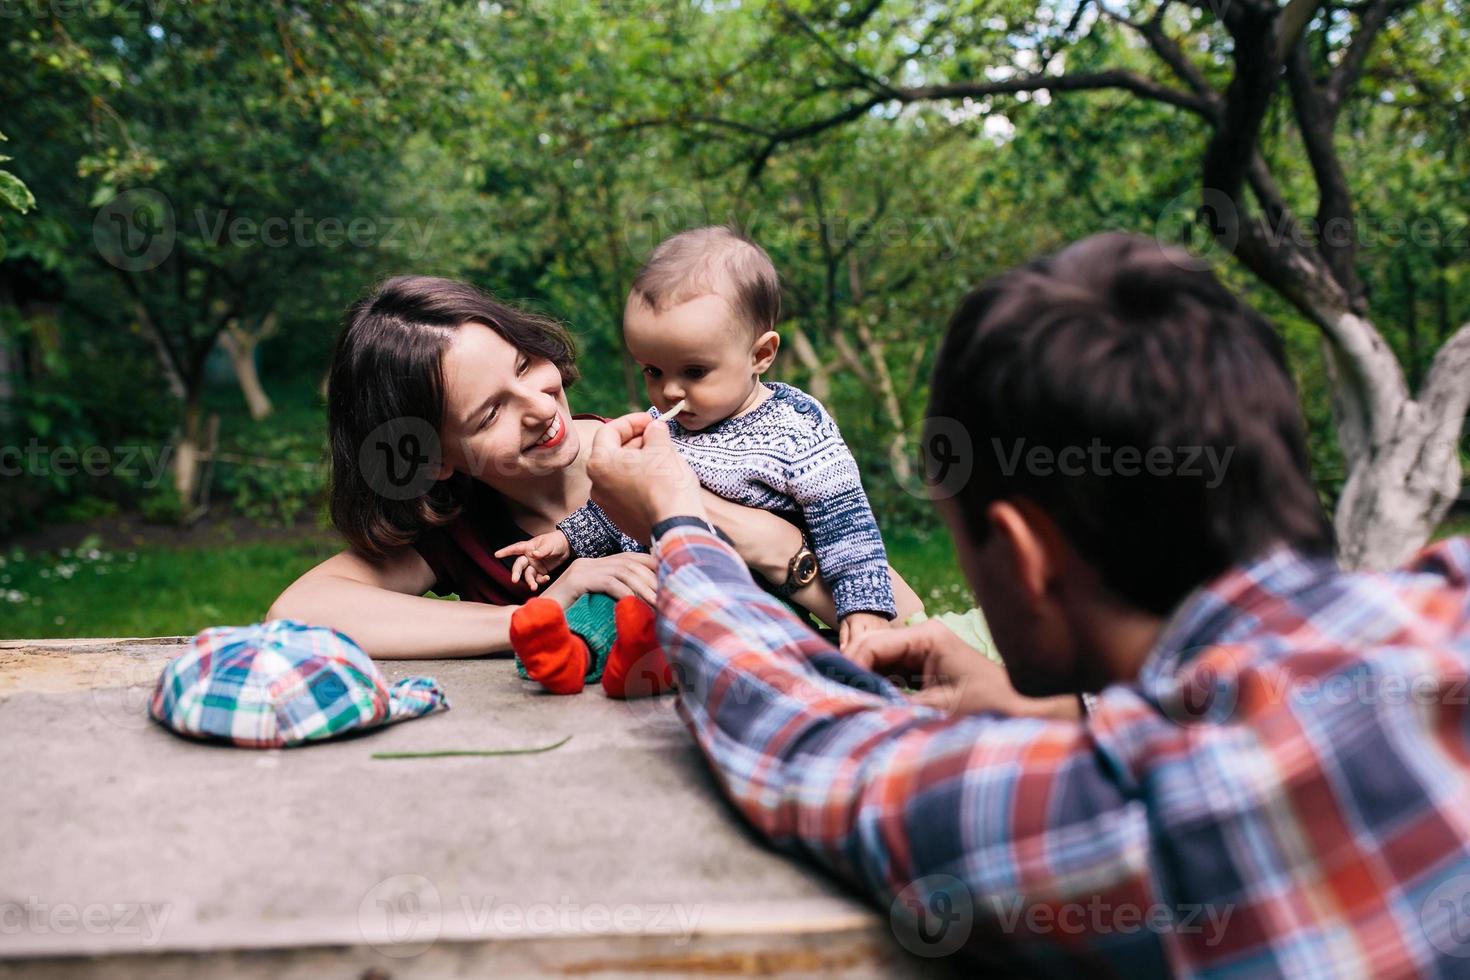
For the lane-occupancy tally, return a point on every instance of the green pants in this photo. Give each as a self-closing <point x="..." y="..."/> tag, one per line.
<point x="591" y="618"/>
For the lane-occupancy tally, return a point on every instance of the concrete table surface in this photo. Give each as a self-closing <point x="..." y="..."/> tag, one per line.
<point x="128" y="851"/>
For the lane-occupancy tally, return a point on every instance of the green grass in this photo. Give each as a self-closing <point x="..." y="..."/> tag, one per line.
<point x="1453" y="528"/>
<point x="927" y="562"/>
<point x="148" y="592"/>
<point x="179" y="591"/>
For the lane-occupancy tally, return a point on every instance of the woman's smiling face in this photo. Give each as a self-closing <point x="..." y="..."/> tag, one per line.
<point x="505" y="412"/>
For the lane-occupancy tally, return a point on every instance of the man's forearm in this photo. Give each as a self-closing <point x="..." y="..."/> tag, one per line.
<point x="880" y="790"/>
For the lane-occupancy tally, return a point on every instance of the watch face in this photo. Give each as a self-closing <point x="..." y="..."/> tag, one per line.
<point x="806" y="569"/>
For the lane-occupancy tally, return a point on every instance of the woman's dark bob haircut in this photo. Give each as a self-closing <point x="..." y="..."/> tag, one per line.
<point x="385" y="403"/>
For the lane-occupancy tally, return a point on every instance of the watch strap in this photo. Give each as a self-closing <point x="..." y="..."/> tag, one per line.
<point x="669" y="523"/>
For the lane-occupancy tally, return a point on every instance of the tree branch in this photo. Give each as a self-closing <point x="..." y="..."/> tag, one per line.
<point x="1294" y="20"/>
<point x="1091" y="81"/>
<point x="1128" y="81"/>
<point x="1171" y="54"/>
<point x="1350" y="68"/>
<point x="1233" y="145"/>
<point x="1336" y="238"/>
<point x="1445" y="394"/>
<point x="868" y="79"/>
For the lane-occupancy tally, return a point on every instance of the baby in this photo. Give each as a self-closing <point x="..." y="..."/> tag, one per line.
<point x="700" y="321"/>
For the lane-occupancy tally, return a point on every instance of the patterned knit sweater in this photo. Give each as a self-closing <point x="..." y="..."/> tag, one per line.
<point x="785" y="455"/>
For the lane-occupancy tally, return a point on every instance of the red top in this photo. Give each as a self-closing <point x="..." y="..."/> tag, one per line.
<point x="462" y="552"/>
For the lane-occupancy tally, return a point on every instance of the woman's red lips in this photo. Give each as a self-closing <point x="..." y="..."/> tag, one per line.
<point x="557" y="439"/>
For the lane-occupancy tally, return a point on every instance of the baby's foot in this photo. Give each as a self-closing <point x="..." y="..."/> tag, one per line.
<point x="554" y="656"/>
<point x="636" y="667"/>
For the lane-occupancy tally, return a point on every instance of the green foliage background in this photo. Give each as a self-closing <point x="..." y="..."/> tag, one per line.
<point x="540" y="149"/>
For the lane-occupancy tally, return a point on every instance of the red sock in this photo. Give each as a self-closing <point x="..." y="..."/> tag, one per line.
<point x="636" y="667"/>
<point x="554" y="656"/>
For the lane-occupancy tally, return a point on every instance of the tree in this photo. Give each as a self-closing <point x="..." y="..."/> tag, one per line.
<point x="1237" y="73"/>
<point x="231" y="157"/>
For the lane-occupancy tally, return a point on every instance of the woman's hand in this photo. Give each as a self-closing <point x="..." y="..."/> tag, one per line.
<point x="952" y="675"/>
<point x="615" y="575"/>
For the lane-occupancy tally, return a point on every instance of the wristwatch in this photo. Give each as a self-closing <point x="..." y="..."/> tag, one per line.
<point x="801" y="571"/>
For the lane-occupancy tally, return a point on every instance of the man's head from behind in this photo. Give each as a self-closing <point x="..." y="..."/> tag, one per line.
<point x="1135" y="433"/>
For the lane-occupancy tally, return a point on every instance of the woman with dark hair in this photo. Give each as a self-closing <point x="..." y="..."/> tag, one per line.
<point x="452" y="437"/>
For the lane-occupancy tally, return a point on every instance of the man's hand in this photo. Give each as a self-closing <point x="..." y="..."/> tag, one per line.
<point x="952" y="675"/>
<point x="638" y="477"/>
<point x="536" y="557"/>
<point x="855" y="625"/>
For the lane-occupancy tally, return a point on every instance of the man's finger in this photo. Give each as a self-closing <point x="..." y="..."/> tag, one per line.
<point x="944" y="697"/>
<point x="880" y="650"/>
<point x="621" y="430"/>
<point x="656" y="435"/>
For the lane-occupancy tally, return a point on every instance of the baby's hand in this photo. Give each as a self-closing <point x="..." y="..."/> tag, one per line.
<point x="855" y="625"/>
<point x="536" y="557"/>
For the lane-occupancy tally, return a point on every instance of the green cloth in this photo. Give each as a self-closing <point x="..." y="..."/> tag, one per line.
<point x="591" y="618"/>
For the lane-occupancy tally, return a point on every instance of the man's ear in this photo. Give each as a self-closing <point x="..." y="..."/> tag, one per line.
<point x="763" y="351"/>
<point x="1019" y="530"/>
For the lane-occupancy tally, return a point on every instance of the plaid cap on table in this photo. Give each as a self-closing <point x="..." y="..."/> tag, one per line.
<point x="282" y="683"/>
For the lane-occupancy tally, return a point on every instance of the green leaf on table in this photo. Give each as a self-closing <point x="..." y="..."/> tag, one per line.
<point x="442" y="753"/>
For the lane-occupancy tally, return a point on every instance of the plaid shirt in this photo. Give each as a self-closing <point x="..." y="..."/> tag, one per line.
<point x="1283" y="790"/>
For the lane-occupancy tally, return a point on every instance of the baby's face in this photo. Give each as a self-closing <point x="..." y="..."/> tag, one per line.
<point x="696" y="351"/>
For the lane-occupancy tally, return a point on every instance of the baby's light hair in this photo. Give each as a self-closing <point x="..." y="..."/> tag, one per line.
<point x="716" y="259"/>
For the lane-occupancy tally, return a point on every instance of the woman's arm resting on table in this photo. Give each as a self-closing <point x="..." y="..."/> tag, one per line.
<point x="381" y="606"/>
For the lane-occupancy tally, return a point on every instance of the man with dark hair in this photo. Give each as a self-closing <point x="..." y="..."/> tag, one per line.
<point x="1272" y="771"/>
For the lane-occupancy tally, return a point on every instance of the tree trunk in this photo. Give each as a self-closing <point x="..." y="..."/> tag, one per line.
<point x="241" y="344"/>
<point x="899" y="455"/>
<point x="819" y="373"/>
<point x="7" y="383"/>
<point x="1404" y="468"/>
<point x="166" y="358"/>
<point x="241" y="348"/>
<point x="1397" y="494"/>
<point x="186" y="455"/>
<point x="881" y="384"/>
